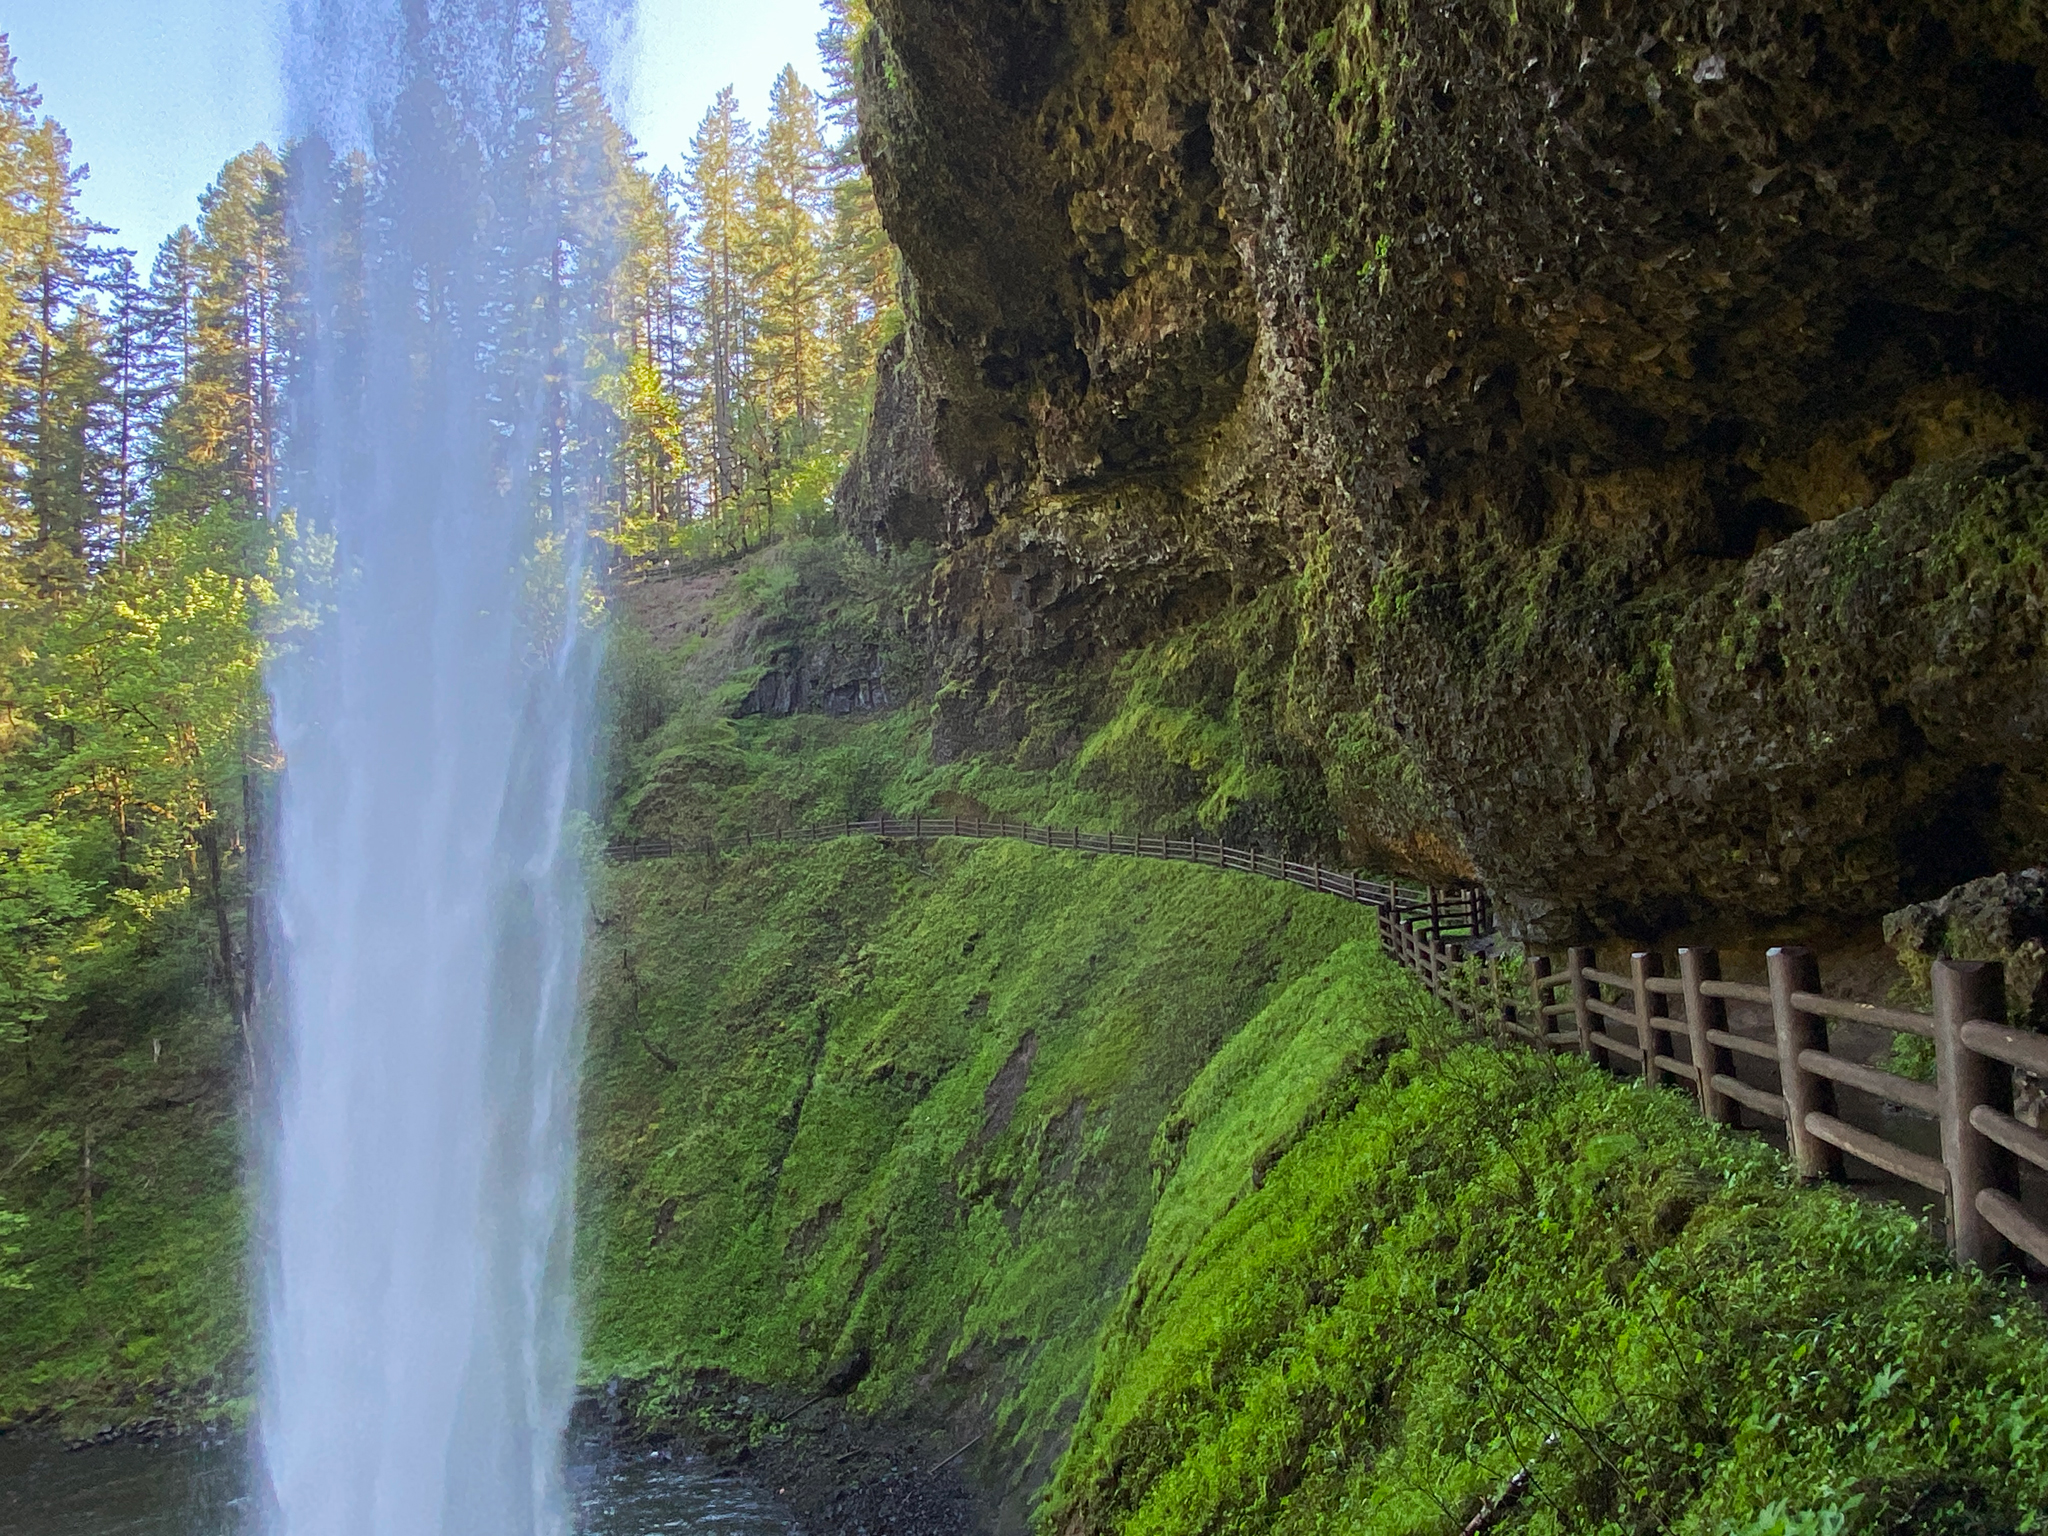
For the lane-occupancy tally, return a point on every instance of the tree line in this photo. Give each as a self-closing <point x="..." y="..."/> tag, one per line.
<point x="758" y="289"/>
<point x="154" y="531"/>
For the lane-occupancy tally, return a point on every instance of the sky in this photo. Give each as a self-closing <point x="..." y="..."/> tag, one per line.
<point x="156" y="94"/>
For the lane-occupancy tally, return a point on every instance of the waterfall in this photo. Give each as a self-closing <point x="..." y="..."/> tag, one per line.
<point x="450" y="210"/>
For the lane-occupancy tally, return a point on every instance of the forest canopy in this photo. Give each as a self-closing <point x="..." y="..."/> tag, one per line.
<point x="154" y="541"/>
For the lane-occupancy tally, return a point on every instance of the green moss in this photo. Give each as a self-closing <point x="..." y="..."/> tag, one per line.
<point x="144" y="1314"/>
<point x="917" y="1103"/>
<point x="1494" y="1261"/>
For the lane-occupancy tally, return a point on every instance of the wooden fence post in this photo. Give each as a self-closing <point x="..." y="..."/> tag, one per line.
<point x="1793" y="968"/>
<point x="1642" y="965"/>
<point x="1696" y="967"/>
<point x="1964" y="991"/>
<point x="1576" y="962"/>
<point x="1539" y="972"/>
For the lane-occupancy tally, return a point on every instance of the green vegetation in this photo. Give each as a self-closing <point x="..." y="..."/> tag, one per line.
<point x="1014" y="1121"/>
<point x="154" y="528"/>
<point x="1185" y="735"/>
<point x="123" y="1160"/>
<point x="1493" y="1261"/>
<point x="757" y="290"/>
<point x="138" y="589"/>
<point x="854" y="1097"/>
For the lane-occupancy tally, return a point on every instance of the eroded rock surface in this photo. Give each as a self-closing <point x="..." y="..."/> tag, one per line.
<point x="1624" y="417"/>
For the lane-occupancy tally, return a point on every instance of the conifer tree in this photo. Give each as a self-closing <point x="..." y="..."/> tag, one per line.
<point x="221" y="301"/>
<point x="719" y="176"/>
<point x="861" y="260"/>
<point x="786" y="244"/>
<point x="60" y="385"/>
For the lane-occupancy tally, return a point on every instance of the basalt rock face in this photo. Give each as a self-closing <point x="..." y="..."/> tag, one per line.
<point x="1629" y="414"/>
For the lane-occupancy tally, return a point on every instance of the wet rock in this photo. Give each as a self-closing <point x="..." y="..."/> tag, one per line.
<point x="2001" y="917"/>
<point x="1628" y="421"/>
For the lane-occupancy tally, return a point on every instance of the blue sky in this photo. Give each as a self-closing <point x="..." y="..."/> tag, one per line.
<point x="157" y="93"/>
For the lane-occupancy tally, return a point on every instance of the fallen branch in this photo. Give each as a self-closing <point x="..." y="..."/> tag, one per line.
<point x="970" y="1445"/>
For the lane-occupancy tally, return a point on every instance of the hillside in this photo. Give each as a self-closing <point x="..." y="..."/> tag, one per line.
<point x="1164" y="1195"/>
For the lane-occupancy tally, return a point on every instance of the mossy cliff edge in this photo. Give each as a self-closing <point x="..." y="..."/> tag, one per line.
<point x="1625" y="419"/>
<point x="975" y="1127"/>
<point x="1163" y="1195"/>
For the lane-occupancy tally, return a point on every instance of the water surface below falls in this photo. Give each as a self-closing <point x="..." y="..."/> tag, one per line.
<point x="189" y="1489"/>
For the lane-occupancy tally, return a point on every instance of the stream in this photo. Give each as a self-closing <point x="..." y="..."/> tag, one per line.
<point x="186" y="1488"/>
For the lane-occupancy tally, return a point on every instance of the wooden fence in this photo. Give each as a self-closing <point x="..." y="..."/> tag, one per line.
<point x="1672" y="1029"/>
<point x="1440" y="912"/>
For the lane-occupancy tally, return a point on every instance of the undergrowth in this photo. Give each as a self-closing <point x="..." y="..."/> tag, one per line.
<point x="1494" y="1262"/>
<point x="125" y="1300"/>
<point x="855" y="1098"/>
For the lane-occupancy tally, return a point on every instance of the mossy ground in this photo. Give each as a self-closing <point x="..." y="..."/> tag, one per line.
<point x="1492" y="1261"/>
<point x="914" y="1107"/>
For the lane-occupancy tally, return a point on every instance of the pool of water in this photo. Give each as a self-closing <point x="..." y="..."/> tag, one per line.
<point x="190" y="1488"/>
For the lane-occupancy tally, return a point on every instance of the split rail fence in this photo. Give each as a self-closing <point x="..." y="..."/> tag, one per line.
<point x="1669" y="1029"/>
<point x="1675" y="1029"/>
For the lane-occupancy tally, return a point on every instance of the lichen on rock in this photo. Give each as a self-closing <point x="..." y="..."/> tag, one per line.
<point x="1638" y="409"/>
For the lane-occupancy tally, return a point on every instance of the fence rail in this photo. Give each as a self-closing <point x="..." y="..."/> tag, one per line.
<point x="1667" y="1029"/>
<point x="1463" y="910"/>
<point x="1675" y="1030"/>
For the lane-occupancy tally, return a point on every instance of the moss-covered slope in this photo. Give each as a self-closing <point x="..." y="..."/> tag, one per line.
<point x="1493" y="1262"/>
<point x="1015" y="1129"/>
<point x="858" y="1099"/>
<point x="1168" y="1184"/>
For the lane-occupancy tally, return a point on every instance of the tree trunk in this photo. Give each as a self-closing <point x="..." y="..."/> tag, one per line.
<point x="209" y="844"/>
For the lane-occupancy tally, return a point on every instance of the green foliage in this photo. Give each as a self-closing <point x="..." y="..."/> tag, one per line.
<point x="122" y="1295"/>
<point x="759" y="288"/>
<point x="11" y="1277"/>
<point x="1494" y="1261"/>
<point x="40" y="900"/>
<point x="914" y="1102"/>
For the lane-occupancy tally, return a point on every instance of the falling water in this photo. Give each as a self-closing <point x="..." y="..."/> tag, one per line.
<point x="450" y="234"/>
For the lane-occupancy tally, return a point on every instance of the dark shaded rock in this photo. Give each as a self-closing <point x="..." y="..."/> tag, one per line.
<point x="1633" y="412"/>
<point x="820" y="682"/>
<point x="2000" y="917"/>
<point x="894" y="493"/>
<point x="848" y="1373"/>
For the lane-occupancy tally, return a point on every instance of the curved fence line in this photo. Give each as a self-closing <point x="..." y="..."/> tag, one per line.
<point x="1665" y="1029"/>
<point x="1463" y="910"/>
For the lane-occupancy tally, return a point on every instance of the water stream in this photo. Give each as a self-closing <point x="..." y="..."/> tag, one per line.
<point x="449" y="214"/>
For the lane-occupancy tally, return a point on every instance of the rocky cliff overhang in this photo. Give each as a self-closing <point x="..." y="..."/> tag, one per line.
<point x="1639" y="406"/>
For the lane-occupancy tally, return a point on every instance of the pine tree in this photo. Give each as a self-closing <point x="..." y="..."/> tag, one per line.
<point x="786" y="245"/>
<point x="131" y="383"/>
<point x="222" y="297"/>
<point x="861" y="261"/>
<point x="645" y="390"/>
<point x="18" y="107"/>
<point x="719" y="177"/>
<point x="60" y="388"/>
